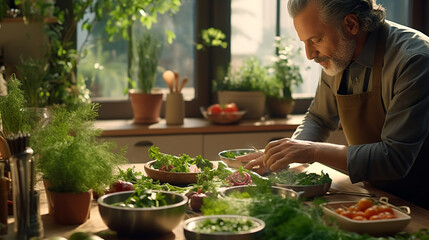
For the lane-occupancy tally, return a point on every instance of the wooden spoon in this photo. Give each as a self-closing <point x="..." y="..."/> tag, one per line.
<point x="169" y="79"/>
<point x="183" y="83"/>
<point x="176" y="81"/>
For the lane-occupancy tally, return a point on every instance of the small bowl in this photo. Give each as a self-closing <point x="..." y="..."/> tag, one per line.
<point x="232" y="162"/>
<point x="131" y="221"/>
<point x="371" y="227"/>
<point x="177" y="178"/>
<point x="253" y="234"/>
<point x="308" y="191"/>
<point x="223" y="118"/>
<point x="283" y="192"/>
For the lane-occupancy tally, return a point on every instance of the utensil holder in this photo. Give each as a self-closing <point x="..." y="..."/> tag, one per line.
<point x="20" y="165"/>
<point x="174" y="109"/>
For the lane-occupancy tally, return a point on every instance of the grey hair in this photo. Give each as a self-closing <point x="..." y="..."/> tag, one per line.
<point x="370" y="14"/>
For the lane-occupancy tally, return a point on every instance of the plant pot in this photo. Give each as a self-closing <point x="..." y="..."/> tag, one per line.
<point x="253" y="102"/>
<point x="279" y="108"/>
<point x="146" y="107"/>
<point x="70" y="208"/>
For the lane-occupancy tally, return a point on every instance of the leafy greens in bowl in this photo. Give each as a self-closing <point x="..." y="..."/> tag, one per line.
<point x="306" y="184"/>
<point x="178" y="170"/>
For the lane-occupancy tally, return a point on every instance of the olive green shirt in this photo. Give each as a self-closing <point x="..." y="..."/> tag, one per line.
<point x="405" y="97"/>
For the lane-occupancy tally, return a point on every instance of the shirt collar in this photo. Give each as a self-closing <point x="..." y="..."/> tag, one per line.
<point x="366" y="57"/>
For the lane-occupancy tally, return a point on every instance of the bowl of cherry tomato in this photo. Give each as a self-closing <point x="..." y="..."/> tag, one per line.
<point x="368" y="216"/>
<point x="223" y="113"/>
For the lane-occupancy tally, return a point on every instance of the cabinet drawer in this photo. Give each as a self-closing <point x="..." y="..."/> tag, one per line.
<point x="214" y="143"/>
<point x="138" y="146"/>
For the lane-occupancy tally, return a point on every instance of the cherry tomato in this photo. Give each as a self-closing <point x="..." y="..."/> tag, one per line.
<point x="364" y="203"/>
<point x="340" y="210"/>
<point x="359" y="213"/>
<point x="353" y="208"/>
<point x="375" y="217"/>
<point x="385" y="208"/>
<point x="371" y="211"/>
<point x="359" y="218"/>
<point x="214" y="109"/>
<point x="347" y="214"/>
<point x="230" y="107"/>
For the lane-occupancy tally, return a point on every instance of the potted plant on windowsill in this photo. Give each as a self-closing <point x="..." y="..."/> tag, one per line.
<point x="73" y="162"/>
<point x="286" y="75"/>
<point x="245" y="87"/>
<point x="146" y="102"/>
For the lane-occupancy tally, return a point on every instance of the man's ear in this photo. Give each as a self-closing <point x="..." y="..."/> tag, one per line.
<point x="351" y="24"/>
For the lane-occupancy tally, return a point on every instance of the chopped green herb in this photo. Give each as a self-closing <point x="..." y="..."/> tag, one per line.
<point x="224" y="225"/>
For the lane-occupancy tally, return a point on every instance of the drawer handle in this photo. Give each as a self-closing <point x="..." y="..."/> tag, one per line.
<point x="143" y="144"/>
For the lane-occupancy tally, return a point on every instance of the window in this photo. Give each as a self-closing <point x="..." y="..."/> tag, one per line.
<point x="251" y="25"/>
<point x="105" y="66"/>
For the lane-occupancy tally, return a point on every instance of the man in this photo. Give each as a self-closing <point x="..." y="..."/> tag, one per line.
<point x="375" y="81"/>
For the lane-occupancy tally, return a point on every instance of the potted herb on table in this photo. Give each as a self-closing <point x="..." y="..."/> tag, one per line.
<point x="145" y="102"/>
<point x="73" y="161"/>
<point x="245" y="87"/>
<point x="286" y="76"/>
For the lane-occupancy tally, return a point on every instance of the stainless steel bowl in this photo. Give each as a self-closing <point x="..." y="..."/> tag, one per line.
<point x="130" y="221"/>
<point x="308" y="191"/>
<point x="283" y="192"/>
<point x="253" y="234"/>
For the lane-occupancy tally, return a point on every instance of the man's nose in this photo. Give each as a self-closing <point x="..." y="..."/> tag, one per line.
<point x="311" y="52"/>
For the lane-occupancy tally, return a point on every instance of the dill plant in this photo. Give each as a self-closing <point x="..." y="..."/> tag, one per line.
<point x="71" y="156"/>
<point x="13" y="117"/>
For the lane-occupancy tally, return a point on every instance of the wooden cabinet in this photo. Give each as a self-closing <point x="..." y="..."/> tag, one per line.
<point x="138" y="146"/>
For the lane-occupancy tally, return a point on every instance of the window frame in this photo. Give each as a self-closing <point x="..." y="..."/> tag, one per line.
<point x="207" y="15"/>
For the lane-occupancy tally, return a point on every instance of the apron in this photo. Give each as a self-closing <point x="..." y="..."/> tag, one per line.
<point x="362" y="115"/>
<point x="362" y="118"/>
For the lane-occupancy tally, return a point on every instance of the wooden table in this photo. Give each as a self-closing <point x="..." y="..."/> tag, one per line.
<point x="341" y="182"/>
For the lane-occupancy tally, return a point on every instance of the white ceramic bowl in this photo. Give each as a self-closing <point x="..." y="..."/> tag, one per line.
<point x="371" y="227"/>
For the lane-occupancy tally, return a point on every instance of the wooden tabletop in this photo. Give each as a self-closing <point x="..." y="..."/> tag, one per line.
<point x="341" y="182"/>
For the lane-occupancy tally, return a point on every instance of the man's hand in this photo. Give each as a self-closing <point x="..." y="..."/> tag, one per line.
<point x="256" y="163"/>
<point x="280" y="153"/>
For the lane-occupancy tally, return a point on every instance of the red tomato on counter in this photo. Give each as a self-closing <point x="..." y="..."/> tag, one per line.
<point x="214" y="109"/>
<point x="218" y="109"/>
<point x="230" y="107"/>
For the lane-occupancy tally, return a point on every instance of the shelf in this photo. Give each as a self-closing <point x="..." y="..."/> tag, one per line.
<point x="21" y="20"/>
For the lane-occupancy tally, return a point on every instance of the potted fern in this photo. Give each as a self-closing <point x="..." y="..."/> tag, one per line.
<point x="146" y="102"/>
<point x="74" y="162"/>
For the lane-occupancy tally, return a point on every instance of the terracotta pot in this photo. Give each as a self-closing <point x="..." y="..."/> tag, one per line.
<point x="146" y="107"/>
<point x="253" y="102"/>
<point x="71" y="208"/>
<point x="279" y="108"/>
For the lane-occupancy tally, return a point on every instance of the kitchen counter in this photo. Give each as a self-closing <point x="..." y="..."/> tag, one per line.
<point x="340" y="182"/>
<point x="195" y="126"/>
